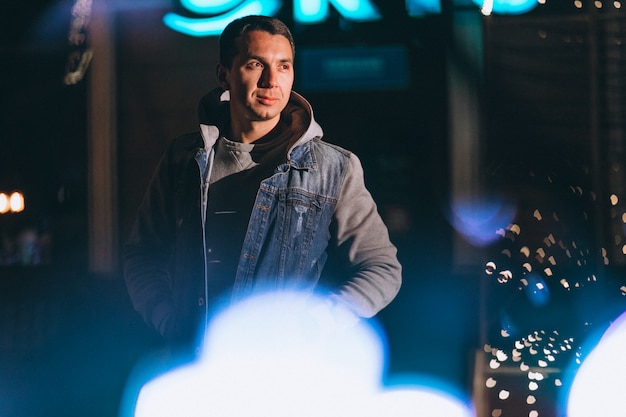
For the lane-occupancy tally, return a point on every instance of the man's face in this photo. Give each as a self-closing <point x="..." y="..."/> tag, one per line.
<point x="260" y="78"/>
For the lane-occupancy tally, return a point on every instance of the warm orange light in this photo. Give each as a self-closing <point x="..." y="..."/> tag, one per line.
<point x="16" y="202"/>
<point x="4" y="203"/>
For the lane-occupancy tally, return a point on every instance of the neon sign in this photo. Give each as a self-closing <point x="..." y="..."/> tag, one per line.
<point x="213" y="25"/>
<point x="218" y="13"/>
<point x="506" y="6"/>
<point x="316" y="11"/>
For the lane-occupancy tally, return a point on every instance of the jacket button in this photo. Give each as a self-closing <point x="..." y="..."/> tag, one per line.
<point x="200" y="301"/>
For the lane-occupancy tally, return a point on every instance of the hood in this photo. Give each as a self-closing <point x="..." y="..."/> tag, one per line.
<point x="214" y="115"/>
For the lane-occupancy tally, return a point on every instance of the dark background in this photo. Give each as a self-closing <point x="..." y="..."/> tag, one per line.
<point x="552" y="107"/>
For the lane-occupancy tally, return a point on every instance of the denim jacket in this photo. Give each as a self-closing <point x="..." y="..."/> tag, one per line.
<point x="315" y="202"/>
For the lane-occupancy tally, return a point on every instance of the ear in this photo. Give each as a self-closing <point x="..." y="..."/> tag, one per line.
<point x="222" y="76"/>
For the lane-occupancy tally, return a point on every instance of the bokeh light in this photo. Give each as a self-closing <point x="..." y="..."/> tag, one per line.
<point x="277" y="353"/>
<point x="271" y="355"/>
<point x="13" y="203"/>
<point x="16" y="202"/>
<point x="597" y="389"/>
<point x="4" y="203"/>
<point x="478" y="222"/>
<point x="536" y="289"/>
<point x="417" y="401"/>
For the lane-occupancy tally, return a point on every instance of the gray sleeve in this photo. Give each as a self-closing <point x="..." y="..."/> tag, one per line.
<point x="362" y="238"/>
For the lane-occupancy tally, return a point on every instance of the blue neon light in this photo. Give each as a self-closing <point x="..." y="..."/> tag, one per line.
<point x="419" y="8"/>
<point x="537" y="290"/>
<point x="213" y="26"/>
<point x="220" y="12"/>
<point x="316" y="11"/>
<point x="310" y="11"/>
<point x="509" y="6"/>
<point x="209" y="6"/>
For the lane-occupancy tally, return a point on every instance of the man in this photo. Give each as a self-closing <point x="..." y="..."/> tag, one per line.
<point x="255" y="201"/>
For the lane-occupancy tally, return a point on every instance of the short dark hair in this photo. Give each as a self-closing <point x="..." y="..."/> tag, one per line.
<point x="241" y="26"/>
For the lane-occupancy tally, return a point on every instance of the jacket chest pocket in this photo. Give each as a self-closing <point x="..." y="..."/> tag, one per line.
<point x="298" y="220"/>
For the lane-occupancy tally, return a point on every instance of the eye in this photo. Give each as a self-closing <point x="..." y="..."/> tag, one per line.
<point x="254" y="64"/>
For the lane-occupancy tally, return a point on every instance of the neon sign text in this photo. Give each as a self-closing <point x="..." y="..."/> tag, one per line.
<point x="220" y="12"/>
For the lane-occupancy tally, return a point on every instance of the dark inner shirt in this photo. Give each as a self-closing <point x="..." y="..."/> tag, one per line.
<point x="235" y="178"/>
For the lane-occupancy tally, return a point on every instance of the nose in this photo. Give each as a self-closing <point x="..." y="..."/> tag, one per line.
<point x="269" y="77"/>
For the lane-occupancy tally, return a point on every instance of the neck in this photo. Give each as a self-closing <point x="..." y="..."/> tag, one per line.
<point x="252" y="132"/>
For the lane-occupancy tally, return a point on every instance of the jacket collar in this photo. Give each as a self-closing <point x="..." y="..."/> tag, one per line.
<point x="213" y="115"/>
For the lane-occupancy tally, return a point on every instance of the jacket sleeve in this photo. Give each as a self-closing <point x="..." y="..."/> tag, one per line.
<point x="148" y="251"/>
<point x="362" y="239"/>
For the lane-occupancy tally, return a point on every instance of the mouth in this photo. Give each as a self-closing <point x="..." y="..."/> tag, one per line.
<point x="268" y="101"/>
